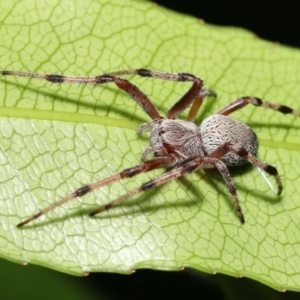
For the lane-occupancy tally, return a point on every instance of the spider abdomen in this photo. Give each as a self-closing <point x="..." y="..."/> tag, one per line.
<point x="217" y="130"/>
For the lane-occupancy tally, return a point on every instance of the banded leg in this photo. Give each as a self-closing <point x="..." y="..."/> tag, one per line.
<point x="193" y="93"/>
<point x="189" y="97"/>
<point x="156" y="163"/>
<point x="123" y="84"/>
<point x="244" y="101"/>
<point x="187" y="166"/>
<point x="229" y="147"/>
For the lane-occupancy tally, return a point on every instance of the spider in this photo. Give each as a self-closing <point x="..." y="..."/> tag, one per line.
<point x="180" y="147"/>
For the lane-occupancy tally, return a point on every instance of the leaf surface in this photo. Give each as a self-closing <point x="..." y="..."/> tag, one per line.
<point x="56" y="138"/>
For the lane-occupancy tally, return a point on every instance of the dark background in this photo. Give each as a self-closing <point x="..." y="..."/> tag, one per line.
<point x="273" y="20"/>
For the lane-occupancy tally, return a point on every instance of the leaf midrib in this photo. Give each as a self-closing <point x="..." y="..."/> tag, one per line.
<point x="13" y="112"/>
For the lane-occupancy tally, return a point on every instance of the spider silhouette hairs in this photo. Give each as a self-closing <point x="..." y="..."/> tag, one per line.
<point x="180" y="147"/>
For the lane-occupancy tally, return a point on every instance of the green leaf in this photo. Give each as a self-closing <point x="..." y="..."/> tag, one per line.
<point x="56" y="138"/>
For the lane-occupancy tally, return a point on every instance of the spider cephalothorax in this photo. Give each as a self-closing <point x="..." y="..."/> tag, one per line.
<point x="179" y="146"/>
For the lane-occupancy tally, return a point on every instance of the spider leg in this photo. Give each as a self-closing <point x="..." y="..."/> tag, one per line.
<point x="198" y="102"/>
<point x="190" y="96"/>
<point x="188" y="166"/>
<point x="156" y="163"/>
<point x="194" y="94"/>
<point x="230" y="147"/>
<point x="243" y="101"/>
<point x="123" y="84"/>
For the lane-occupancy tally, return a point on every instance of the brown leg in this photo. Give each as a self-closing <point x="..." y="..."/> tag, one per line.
<point x="243" y="101"/>
<point x="229" y="147"/>
<point x="189" y="97"/>
<point x="194" y="92"/>
<point x="188" y="166"/>
<point x="156" y="163"/>
<point x="123" y="84"/>
<point x="198" y="102"/>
